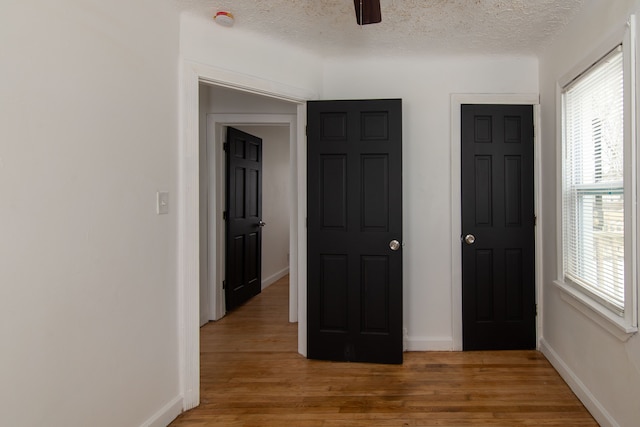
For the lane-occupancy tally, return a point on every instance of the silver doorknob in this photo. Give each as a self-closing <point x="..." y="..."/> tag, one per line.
<point x="261" y="223"/>
<point x="470" y="239"/>
<point x="394" y="245"/>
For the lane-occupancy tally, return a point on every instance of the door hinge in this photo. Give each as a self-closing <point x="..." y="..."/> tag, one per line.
<point x="535" y="308"/>
<point x="225" y="146"/>
<point x="224" y="284"/>
<point x="535" y="220"/>
<point x="224" y="215"/>
<point x="306" y="130"/>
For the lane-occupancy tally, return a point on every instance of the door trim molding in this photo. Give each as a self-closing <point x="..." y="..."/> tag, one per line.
<point x="191" y="74"/>
<point x="456" y="197"/>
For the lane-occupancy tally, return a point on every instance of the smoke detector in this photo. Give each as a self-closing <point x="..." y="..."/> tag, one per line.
<point x="224" y="18"/>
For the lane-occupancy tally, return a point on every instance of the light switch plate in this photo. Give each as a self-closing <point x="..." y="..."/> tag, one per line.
<point x="162" y="206"/>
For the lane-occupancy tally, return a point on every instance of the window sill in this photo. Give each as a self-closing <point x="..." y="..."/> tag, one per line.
<point x="609" y="321"/>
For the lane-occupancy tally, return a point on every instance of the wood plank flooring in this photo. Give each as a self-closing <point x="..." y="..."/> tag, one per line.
<point x="251" y="375"/>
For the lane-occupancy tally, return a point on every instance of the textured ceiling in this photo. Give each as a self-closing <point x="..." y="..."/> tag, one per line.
<point x="329" y="28"/>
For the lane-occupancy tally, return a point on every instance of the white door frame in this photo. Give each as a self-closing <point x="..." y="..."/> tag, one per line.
<point x="216" y="126"/>
<point x="456" y="202"/>
<point x="191" y="75"/>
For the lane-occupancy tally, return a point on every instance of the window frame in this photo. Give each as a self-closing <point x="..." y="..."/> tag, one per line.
<point x="625" y="325"/>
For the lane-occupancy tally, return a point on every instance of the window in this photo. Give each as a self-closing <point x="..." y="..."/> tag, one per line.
<point x="597" y="207"/>
<point x="593" y="193"/>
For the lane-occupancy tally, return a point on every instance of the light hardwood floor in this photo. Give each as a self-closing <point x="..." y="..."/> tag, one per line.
<point x="251" y="375"/>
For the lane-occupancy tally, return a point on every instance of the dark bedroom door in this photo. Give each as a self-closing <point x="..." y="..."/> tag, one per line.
<point x="355" y="230"/>
<point x="243" y="216"/>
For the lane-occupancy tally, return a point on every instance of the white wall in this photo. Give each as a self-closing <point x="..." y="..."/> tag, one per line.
<point x="246" y="57"/>
<point x="230" y="101"/>
<point x="276" y="174"/>
<point x="604" y="371"/>
<point x="425" y="86"/>
<point x="88" y="129"/>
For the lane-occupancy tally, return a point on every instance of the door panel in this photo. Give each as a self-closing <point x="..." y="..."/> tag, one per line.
<point x="375" y="192"/>
<point x="334" y="294"/>
<point x="375" y="288"/>
<point x="354" y="178"/>
<point x="498" y="288"/>
<point x="333" y="192"/>
<point x="243" y="215"/>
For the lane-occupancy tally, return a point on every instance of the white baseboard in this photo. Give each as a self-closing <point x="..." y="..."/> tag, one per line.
<point x="166" y="414"/>
<point x="602" y="416"/>
<point x="428" y="344"/>
<point x="274" y="277"/>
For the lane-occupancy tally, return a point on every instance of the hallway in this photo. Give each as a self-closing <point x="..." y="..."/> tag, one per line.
<point x="251" y="375"/>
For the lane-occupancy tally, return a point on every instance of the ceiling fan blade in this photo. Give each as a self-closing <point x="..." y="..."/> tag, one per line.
<point x="370" y="11"/>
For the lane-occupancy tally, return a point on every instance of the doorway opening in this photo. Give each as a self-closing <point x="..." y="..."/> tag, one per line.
<point x="274" y="121"/>
<point x="193" y="76"/>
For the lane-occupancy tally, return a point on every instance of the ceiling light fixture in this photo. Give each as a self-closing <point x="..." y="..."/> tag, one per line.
<point x="224" y="18"/>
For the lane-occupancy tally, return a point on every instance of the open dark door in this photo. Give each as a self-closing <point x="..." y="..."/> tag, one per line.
<point x="243" y="217"/>
<point x="354" y="178"/>
<point x="498" y="286"/>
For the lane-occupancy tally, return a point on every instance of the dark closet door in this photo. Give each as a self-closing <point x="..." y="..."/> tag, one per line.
<point x="498" y="284"/>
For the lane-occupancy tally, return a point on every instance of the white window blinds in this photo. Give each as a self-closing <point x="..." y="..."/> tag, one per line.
<point x="593" y="196"/>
